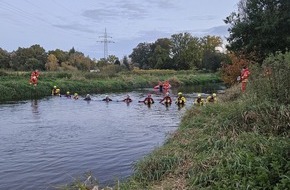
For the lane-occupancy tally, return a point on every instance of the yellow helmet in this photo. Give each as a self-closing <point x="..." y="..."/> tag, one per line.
<point x="54" y="86"/>
<point x="179" y="93"/>
<point x="67" y="92"/>
<point x="198" y="95"/>
<point x="76" y="94"/>
<point x="214" y="94"/>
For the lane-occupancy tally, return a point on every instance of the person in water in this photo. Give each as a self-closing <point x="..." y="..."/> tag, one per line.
<point x="199" y="101"/>
<point x="148" y="100"/>
<point x="55" y="91"/>
<point x="127" y="99"/>
<point x="180" y="99"/>
<point x="76" y="96"/>
<point x="88" y="97"/>
<point x="160" y="84"/>
<point x="167" y="99"/>
<point x="212" y="98"/>
<point x="107" y="99"/>
<point x="68" y="94"/>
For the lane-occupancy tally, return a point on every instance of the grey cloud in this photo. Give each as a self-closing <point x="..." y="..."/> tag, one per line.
<point x="75" y="27"/>
<point x="120" y="10"/>
<point x="203" y="17"/>
<point x="218" y="30"/>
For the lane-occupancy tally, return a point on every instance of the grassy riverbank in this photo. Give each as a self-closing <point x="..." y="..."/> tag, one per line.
<point x="15" y="85"/>
<point x="240" y="143"/>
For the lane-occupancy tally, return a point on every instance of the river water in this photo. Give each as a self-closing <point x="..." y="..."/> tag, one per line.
<point x="49" y="142"/>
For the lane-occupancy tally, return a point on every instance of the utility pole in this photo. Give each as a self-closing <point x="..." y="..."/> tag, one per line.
<point x="105" y="41"/>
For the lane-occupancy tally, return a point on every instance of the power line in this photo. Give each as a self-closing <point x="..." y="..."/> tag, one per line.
<point x="105" y="41"/>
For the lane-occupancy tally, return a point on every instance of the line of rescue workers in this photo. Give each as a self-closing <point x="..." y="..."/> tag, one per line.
<point x="181" y="100"/>
<point x="167" y="100"/>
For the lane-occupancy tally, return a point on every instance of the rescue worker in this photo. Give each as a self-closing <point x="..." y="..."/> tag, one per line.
<point x="55" y="91"/>
<point x="212" y="98"/>
<point x="180" y="99"/>
<point x="167" y="99"/>
<point x="88" y="97"/>
<point x="244" y="77"/>
<point x="127" y="99"/>
<point x="148" y="100"/>
<point x="107" y="99"/>
<point x="76" y="96"/>
<point x="160" y="84"/>
<point x="68" y="94"/>
<point x="34" y="77"/>
<point x="199" y="101"/>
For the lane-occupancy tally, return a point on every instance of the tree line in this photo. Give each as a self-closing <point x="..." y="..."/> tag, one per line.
<point x="258" y="28"/>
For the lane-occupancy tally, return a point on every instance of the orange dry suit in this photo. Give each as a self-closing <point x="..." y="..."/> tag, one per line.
<point x="244" y="78"/>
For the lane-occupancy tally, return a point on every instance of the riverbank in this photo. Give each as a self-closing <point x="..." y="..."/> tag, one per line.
<point x="15" y="85"/>
<point x="240" y="143"/>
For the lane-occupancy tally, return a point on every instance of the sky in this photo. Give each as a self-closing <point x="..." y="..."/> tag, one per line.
<point x="63" y="24"/>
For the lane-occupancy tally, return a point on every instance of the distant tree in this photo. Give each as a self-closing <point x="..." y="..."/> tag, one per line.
<point x="62" y="56"/>
<point x="32" y="64"/>
<point x="212" y="60"/>
<point x="72" y="51"/>
<point x="160" y="57"/>
<point x="141" y="54"/>
<point x="126" y="62"/>
<point x="81" y="62"/>
<point x="179" y="46"/>
<point x="259" y="27"/>
<point x="4" y="59"/>
<point x="117" y="62"/>
<point x="21" y="56"/>
<point x="52" y="63"/>
<point x="111" y="59"/>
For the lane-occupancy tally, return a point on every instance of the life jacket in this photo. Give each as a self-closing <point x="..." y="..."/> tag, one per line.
<point x="55" y="91"/>
<point x="33" y="80"/>
<point x="245" y="75"/>
<point x="148" y="101"/>
<point x="168" y="100"/>
<point x="210" y="99"/>
<point x="181" y="100"/>
<point x="127" y="100"/>
<point x="199" y="101"/>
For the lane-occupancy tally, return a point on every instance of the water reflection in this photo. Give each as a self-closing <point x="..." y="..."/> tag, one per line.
<point x="34" y="105"/>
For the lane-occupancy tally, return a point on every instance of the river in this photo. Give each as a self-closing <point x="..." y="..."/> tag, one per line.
<point x="52" y="141"/>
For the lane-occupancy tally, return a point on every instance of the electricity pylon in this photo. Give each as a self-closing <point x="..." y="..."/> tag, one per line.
<point x="105" y="41"/>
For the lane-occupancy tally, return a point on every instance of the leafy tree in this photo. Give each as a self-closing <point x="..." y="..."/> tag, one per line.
<point x="4" y="59"/>
<point x="160" y="58"/>
<point x="21" y="56"/>
<point x="62" y="56"/>
<point x="180" y="51"/>
<point x="81" y="62"/>
<point x="259" y="27"/>
<point x="117" y="62"/>
<point x="52" y="63"/>
<point x="111" y="59"/>
<point x="212" y="60"/>
<point x="141" y="54"/>
<point x="232" y="69"/>
<point x="126" y="62"/>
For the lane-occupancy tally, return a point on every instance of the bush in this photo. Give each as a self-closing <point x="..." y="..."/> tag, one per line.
<point x="273" y="86"/>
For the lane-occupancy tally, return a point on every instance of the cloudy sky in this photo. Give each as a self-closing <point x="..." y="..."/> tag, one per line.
<point x="63" y="24"/>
